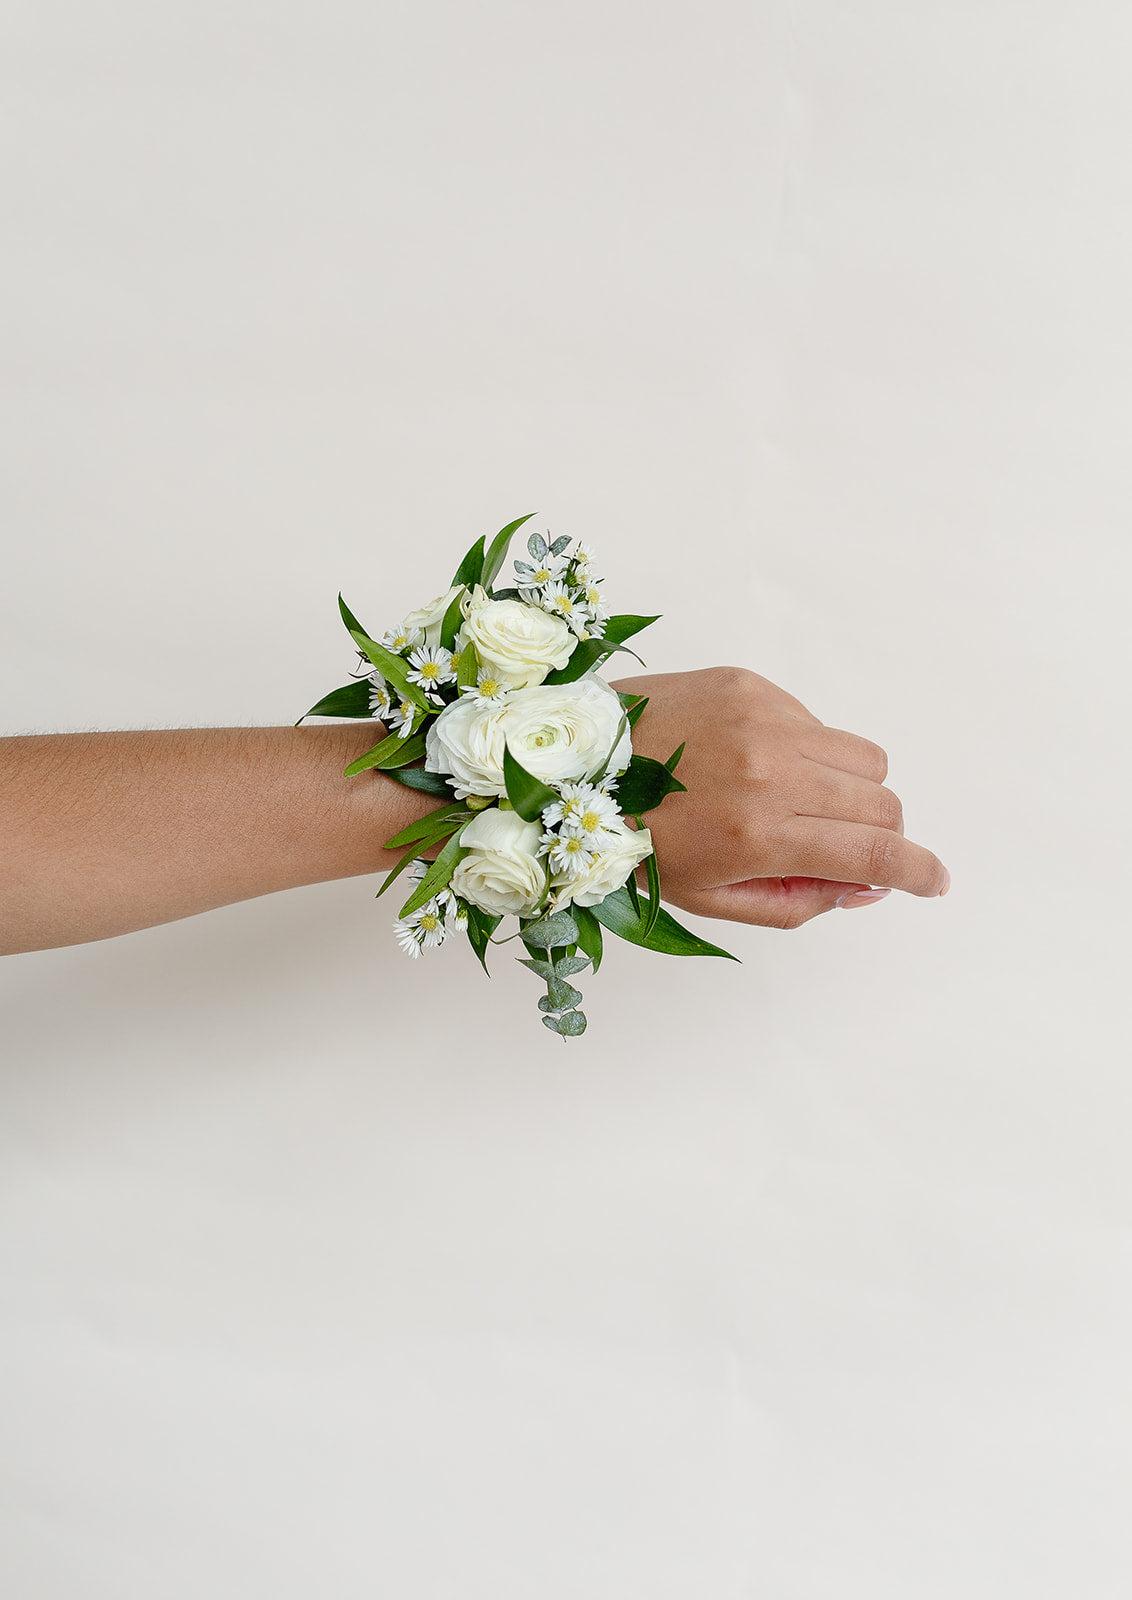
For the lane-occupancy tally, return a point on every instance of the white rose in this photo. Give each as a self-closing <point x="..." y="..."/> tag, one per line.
<point x="429" y="618"/>
<point x="466" y="742"/>
<point x="556" y="731"/>
<point x="520" y="643"/>
<point x="503" y="873"/>
<point x="621" y="853"/>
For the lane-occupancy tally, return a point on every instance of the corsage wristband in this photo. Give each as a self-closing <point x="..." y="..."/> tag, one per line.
<point x="494" y="702"/>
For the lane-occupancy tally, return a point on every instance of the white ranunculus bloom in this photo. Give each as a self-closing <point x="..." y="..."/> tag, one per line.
<point x="565" y="730"/>
<point x="429" y="618"/>
<point x="618" y="855"/>
<point x="556" y="731"/>
<point x="502" y="873"/>
<point x="521" y="643"/>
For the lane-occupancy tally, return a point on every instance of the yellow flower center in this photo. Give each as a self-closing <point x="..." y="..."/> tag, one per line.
<point x="489" y="687"/>
<point x="564" y="603"/>
<point x="429" y="921"/>
<point x="591" y="822"/>
<point x="430" y="670"/>
<point x="573" y="846"/>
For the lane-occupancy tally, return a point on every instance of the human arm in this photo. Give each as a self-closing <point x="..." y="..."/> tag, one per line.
<point x="105" y="833"/>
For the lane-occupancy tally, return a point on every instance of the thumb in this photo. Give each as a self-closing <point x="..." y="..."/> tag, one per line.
<point x="780" y="902"/>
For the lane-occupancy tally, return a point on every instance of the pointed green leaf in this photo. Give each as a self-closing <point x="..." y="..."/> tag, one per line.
<point x="453" y="617"/>
<point x="467" y="673"/>
<point x="425" y="782"/>
<point x="471" y="567"/>
<point x="437" y="875"/>
<point x="530" y="796"/>
<point x="644" y="784"/>
<point x="349" y="618"/>
<point x="616" y="912"/>
<point x="481" y="926"/>
<point x="590" y="653"/>
<point x="652" y="872"/>
<point x="589" y="933"/>
<point x="429" y="824"/>
<point x="393" y="669"/>
<point x="406" y="860"/>
<point x="674" y="759"/>
<point x="390" y="752"/>
<point x="352" y="700"/>
<point x="497" y="552"/>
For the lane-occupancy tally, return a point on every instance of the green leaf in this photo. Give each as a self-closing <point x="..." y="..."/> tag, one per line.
<point x="471" y="567"/>
<point x="530" y="796"/>
<point x="393" y="669"/>
<point x="604" y="768"/>
<point x="537" y="547"/>
<point x="652" y="872"/>
<point x="569" y="965"/>
<point x="544" y="969"/>
<point x="425" y="825"/>
<point x="425" y="782"/>
<point x="410" y="856"/>
<point x="497" y="552"/>
<point x="644" y="784"/>
<point x="349" y="618"/>
<point x="589" y="933"/>
<point x="559" y="996"/>
<point x="674" y="759"/>
<point x="560" y="544"/>
<point x="590" y="653"/>
<point x="437" y="875"/>
<point x="616" y="913"/>
<point x="570" y="1024"/>
<point x="453" y="617"/>
<point x="481" y="926"/>
<point x="352" y="700"/>
<point x="635" y="711"/>
<point x="547" y="932"/>
<point x="390" y="752"/>
<point x="469" y="669"/>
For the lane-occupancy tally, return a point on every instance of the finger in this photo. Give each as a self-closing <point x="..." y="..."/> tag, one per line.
<point x="834" y="747"/>
<point x="778" y="902"/>
<point x="854" y="850"/>
<point x="845" y="797"/>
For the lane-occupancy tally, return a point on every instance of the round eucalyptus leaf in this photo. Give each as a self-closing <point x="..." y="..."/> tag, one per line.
<point x="550" y="931"/>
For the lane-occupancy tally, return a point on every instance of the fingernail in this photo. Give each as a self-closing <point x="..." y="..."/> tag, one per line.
<point x="861" y="897"/>
<point x="946" y="881"/>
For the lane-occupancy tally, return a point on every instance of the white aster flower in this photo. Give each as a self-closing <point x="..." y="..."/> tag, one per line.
<point x="591" y="597"/>
<point x="560" y="601"/>
<point x="585" y="806"/>
<point x="401" y="638"/>
<point x="408" y="936"/>
<point x="430" y="923"/>
<point x="432" y="666"/>
<point x="488" y="689"/>
<point x="416" y="870"/>
<point x="568" y="853"/>
<point x="531" y="578"/>
<point x="459" y="916"/>
<point x="400" y="717"/>
<point x="379" y="700"/>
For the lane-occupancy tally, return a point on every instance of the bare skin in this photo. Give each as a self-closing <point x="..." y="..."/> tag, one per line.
<point x="105" y="833"/>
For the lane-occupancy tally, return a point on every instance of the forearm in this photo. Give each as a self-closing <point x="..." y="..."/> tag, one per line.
<point x="104" y="833"/>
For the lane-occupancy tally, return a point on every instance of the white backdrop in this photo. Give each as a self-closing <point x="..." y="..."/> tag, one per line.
<point x="809" y="1279"/>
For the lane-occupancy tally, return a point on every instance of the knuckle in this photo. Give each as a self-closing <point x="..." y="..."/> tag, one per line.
<point x="881" y="855"/>
<point x="890" y="811"/>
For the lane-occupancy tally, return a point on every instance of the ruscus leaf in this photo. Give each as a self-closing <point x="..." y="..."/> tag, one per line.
<point x="497" y="550"/>
<point x="471" y="567"/>
<point x="437" y="875"/>
<point x="393" y="669"/>
<point x="351" y="700"/>
<point x="589" y="933"/>
<point x="616" y="912"/>
<point x="481" y="926"/>
<point x="644" y="784"/>
<point x="425" y="782"/>
<point x="390" y="752"/>
<point x="429" y="824"/>
<point x="529" y="795"/>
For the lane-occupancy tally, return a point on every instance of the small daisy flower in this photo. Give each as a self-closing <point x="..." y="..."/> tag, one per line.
<point x="568" y="852"/>
<point x="455" y="662"/>
<point x="400" y="717"/>
<point x="597" y="814"/>
<point x="431" y="667"/>
<point x="558" y="600"/>
<point x="408" y="936"/>
<point x="416" y="870"/>
<point x="379" y="701"/>
<point x="400" y="639"/>
<point x="488" y="689"/>
<point x="568" y="807"/>
<point x="430" y="923"/>
<point x="459" y="916"/>
<point x="530" y="579"/>
<point x="583" y="555"/>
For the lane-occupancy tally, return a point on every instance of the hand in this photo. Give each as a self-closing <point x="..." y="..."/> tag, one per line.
<point x="784" y="818"/>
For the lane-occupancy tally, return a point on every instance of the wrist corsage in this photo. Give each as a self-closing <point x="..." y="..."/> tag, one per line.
<point x="494" y="703"/>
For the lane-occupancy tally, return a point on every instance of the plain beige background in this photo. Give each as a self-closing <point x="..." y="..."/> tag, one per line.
<point x="809" y="1279"/>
